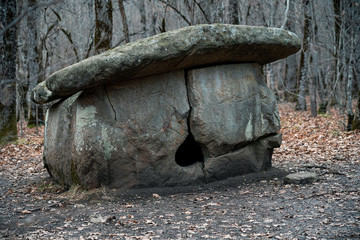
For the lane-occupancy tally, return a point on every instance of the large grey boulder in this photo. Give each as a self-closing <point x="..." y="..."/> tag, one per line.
<point x="121" y="135"/>
<point x="178" y="108"/>
<point x="231" y="107"/>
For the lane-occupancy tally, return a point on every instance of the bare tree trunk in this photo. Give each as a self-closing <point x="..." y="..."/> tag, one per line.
<point x="313" y="63"/>
<point x="177" y="10"/>
<point x="124" y="21"/>
<point x="349" y="88"/>
<point x="22" y="84"/>
<point x="33" y="59"/>
<point x="304" y="58"/>
<point x="303" y="85"/>
<point x="103" y="25"/>
<point x="313" y="101"/>
<point x="313" y="84"/>
<point x="286" y="13"/>
<point x="142" y="17"/>
<point x="322" y="94"/>
<point x="290" y="81"/>
<point x="356" y="121"/>
<point x="152" y="27"/>
<point x="37" y="118"/>
<point x="234" y="12"/>
<point x="37" y="61"/>
<point x="337" y="25"/>
<point x="8" y="128"/>
<point x="337" y="46"/>
<point x="338" y="86"/>
<point x="220" y="10"/>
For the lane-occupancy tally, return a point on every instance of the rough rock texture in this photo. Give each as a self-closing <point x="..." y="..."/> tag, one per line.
<point x="178" y="108"/>
<point x="121" y="135"/>
<point x="253" y="157"/>
<point x="231" y="106"/>
<point x="301" y="178"/>
<point x="136" y="134"/>
<point x="188" y="47"/>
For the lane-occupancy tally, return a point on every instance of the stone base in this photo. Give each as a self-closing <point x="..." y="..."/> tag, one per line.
<point x="177" y="128"/>
<point x="254" y="157"/>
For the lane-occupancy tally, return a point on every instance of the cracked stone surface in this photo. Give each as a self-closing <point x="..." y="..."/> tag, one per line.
<point x="121" y="135"/>
<point x="133" y="134"/>
<point x="231" y="107"/>
<point x="179" y="108"/>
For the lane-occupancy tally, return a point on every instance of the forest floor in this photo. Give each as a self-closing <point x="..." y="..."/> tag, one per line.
<point x="254" y="206"/>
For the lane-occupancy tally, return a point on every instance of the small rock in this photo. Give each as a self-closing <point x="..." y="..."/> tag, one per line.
<point x="101" y="219"/>
<point x="339" y="157"/>
<point x="300" y="178"/>
<point x="155" y="195"/>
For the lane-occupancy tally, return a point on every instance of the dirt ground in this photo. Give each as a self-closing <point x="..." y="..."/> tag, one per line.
<point x="254" y="206"/>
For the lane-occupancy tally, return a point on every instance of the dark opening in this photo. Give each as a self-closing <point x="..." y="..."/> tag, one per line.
<point x="189" y="152"/>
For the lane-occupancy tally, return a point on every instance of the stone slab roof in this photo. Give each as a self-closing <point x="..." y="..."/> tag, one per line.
<point x="185" y="48"/>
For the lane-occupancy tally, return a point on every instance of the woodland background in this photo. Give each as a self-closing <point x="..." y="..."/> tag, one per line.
<point x="39" y="37"/>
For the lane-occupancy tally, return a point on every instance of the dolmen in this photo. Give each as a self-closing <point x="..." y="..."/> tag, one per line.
<point x="182" y="107"/>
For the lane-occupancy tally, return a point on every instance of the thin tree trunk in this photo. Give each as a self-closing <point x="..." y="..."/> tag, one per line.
<point x="313" y="101"/>
<point x="152" y="27"/>
<point x="286" y="14"/>
<point x="33" y="60"/>
<point x="313" y="86"/>
<point x="36" y="68"/>
<point x="124" y="21"/>
<point x="234" y="12"/>
<point x="337" y="28"/>
<point x="322" y="93"/>
<point x="37" y="118"/>
<point x="273" y="7"/>
<point x="349" y="88"/>
<point x="304" y="58"/>
<point x="290" y="81"/>
<point x="303" y="84"/>
<point x="338" y="40"/>
<point x="103" y="25"/>
<point x="8" y="128"/>
<point x="220" y="10"/>
<point x="356" y="121"/>
<point x="338" y="87"/>
<point x="143" y="17"/>
<point x="313" y="63"/>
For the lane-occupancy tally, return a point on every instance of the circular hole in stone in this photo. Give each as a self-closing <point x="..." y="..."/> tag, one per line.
<point x="189" y="152"/>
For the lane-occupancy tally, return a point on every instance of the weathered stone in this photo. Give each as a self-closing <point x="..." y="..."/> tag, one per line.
<point x="184" y="48"/>
<point x="253" y="157"/>
<point x="231" y="107"/>
<point x="301" y="178"/>
<point x="121" y="135"/>
<point x="144" y="114"/>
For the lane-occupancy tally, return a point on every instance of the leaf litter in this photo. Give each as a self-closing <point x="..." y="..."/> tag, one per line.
<point x="254" y="206"/>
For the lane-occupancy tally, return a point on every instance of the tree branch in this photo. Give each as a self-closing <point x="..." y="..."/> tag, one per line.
<point x="177" y="11"/>
<point x="203" y="12"/>
<point x="286" y="14"/>
<point x="26" y="12"/>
